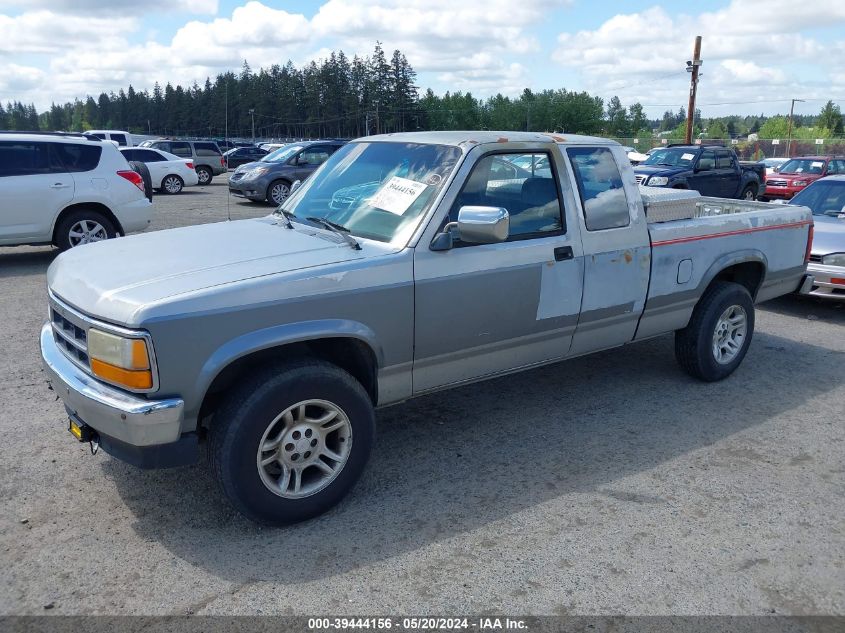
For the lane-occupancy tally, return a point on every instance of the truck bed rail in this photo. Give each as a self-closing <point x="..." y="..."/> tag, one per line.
<point x="667" y="205"/>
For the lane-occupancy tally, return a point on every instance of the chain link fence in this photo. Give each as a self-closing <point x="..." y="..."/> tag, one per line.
<point x="755" y="149"/>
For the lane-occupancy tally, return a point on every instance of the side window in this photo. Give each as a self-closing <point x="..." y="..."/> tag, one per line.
<point x="707" y="161"/>
<point x="836" y="167"/>
<point x="164" y="146"/>
<point x="23" y="159"/>
<point x="120" y="138"/>
<point x="529" y="195"/>
<point x="316" y="155"/>
<point x="600" y="187"/>
<point x="205" y="149"/>
<point x="98" y="135"/>
<point x="132" y="154"/>
<point x="723" y="160"/>
<point x="180" y="149"/>
<point x="77" y="157"/>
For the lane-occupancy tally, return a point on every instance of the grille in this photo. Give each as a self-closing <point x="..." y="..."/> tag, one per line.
<point x="640" y="179"/>
<point x="71" y="339"/>
<point x="816" y="258"/>
<point x="776" y="183"/>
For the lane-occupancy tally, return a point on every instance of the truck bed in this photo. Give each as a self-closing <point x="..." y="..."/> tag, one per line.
<point x="693" y="237"/>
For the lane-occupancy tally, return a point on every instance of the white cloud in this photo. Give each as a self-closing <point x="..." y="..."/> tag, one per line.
<point x="748" y="48"/>
<point x="111" y="7"/>
<point x="15" y="77"/>
<point x="48" y="32"/>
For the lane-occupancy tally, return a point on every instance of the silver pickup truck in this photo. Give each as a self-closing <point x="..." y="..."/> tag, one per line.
<point x="406" y="264"/>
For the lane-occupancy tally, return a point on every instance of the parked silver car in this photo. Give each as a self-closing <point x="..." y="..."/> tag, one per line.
<point x="826" y="198"/>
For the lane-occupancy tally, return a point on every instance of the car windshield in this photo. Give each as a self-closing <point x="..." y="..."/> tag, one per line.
<point x="803" y="166"/>
<point x="377" y="191"/>
<point x="823" y="197"/>
<point x="281" y="155"/>
<point x="674" y="157"/>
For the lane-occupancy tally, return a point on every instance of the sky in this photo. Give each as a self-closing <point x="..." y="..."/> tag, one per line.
<point x="758" y="54"/>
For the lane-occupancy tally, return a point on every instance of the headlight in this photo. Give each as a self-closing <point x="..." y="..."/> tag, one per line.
<point x="657" y="181"/>
<point x="834" y="259"/>
<point x="800" y="183"/>
<point x="120" y="360"/>
<point x="257" y="171"/>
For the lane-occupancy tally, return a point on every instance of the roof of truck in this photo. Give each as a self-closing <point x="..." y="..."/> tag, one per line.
<point x="473" y="137"/>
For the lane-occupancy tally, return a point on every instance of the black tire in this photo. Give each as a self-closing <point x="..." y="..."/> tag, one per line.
<point x="140" y="168"/>
<point x="70" y="223"/>
<point x="172" y="184"/>
<point x="204" y="174"/>
<point x="247" y="413"/>
<point x="748" y="193"/>
<point x="281" y="183"/>
<point x="694" y="345"/>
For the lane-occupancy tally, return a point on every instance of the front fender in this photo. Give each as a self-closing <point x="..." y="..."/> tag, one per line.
<point x="279" y="335"/>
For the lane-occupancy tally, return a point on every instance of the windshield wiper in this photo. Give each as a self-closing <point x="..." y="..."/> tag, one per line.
<point x="334" y="227"/>
<point x="287" y="215"/>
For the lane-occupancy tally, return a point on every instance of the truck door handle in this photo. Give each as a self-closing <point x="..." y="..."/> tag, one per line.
<point x="563" y="253"/>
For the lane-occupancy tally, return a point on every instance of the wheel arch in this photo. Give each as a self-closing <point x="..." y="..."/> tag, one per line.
<point x="80" y="206"/>
<point x="747" y="268"/>
<point x="351" y="346"/>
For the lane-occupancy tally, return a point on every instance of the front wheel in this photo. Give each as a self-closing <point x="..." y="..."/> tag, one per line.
<point x="291" y="441"/>
<point x="278" y="192"/>
<point x="717" y="337"/>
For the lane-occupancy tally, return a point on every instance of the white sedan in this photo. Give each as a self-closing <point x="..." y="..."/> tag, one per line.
<point x="169" y="172"/>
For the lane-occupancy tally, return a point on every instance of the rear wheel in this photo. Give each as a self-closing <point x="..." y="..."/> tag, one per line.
<point x="291" y="440"/>
<point x="204" y="174"/>
<point x="749" y="193"/>
<point x="716" y="340"/>
<point x="83" y="226"/>
<point x="172" y="184"/>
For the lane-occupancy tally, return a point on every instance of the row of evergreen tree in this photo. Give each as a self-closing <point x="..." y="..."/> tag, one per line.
<point x="343" y="97"/>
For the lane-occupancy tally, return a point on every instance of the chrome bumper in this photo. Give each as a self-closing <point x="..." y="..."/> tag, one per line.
<point x="128" y="418"/>
<point x="823" y="284"/>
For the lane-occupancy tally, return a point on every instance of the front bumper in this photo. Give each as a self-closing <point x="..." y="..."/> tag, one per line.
<point x="111" y="412"/>
<point x="782" y="193"/>
<point x="250" y="189"/>
<point x="828" y="281"/>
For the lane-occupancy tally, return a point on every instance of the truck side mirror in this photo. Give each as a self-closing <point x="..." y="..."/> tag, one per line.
<point x="475" y="225"/>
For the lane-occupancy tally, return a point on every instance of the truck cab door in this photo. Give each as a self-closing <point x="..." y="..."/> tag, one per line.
<point x="704" y="178"/>
<point x="617" y="250"/>
<point x="485" y="309"/>
<point x="728" y="174"/>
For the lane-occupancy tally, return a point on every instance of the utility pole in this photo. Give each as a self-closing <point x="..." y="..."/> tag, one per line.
<point x="252" y="114"/>
<point x="692" y="67"/>
<point x="789" y="127"/>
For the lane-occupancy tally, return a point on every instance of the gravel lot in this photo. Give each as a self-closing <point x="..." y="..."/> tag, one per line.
<point x="607" y="484"/>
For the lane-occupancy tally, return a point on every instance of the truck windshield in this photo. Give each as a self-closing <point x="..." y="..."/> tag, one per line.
<point x="803" y="166"/>
<point x="672" y="157"/>
<point x="281" y="155"/>
<point x="377" y="191"/>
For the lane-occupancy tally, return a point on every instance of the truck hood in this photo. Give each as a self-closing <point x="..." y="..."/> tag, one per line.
<point x="658" y="170"/>
<point x="828" y="235"/>
<point x="114" y="279"/>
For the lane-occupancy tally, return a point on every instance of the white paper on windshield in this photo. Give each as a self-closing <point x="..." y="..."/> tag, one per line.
<point x="397" y="195"/>
<point x="687" y="156"/>
<point x="817" y="164"/>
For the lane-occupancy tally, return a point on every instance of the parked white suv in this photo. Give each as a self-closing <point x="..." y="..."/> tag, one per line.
<point x="66" y="190"/>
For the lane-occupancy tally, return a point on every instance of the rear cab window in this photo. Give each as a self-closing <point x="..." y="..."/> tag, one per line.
<point x="600" y="188"/>
<point x="120" y="138"/>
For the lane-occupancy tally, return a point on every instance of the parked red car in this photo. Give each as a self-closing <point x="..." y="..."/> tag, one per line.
<point x="797" y="173"/>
